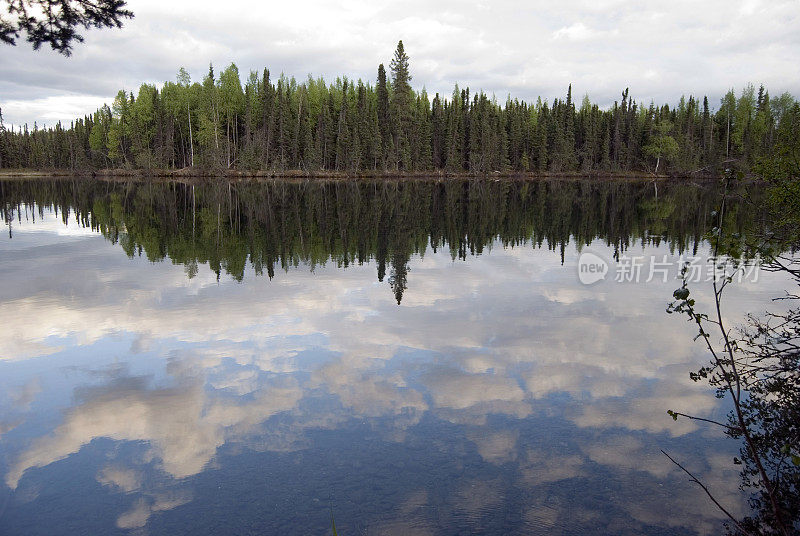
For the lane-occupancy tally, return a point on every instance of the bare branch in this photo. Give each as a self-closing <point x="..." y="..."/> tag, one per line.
<point x="710" y="495"/>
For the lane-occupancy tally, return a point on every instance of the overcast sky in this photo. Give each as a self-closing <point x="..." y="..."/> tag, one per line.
<point x="659" y="49"/>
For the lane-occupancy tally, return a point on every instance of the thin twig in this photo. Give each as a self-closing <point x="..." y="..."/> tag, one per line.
<point x="735" y="386"/>
<point x="708" y="492"/>
<point x="727" y="426"/>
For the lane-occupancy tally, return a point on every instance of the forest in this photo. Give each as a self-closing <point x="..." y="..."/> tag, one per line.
<point x="355" y="127"/>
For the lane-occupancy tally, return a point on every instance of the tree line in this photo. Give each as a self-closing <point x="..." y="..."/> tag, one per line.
<point x="352" y="126"/>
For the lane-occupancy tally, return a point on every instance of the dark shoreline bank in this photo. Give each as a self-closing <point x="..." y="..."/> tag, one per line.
<point x="188" y="173"/>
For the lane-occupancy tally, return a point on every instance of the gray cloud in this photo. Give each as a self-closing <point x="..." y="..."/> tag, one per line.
<point x="523" y="48"/>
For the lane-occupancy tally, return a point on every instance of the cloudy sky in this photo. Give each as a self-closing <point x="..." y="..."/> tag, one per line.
<point x="659" y="49"/>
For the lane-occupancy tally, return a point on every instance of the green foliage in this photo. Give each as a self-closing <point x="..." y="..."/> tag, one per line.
<point x="662" y="145"/>
<point x="120" y="129"/>
<point x="401" y="112"/>
<point x="353" y="126"/>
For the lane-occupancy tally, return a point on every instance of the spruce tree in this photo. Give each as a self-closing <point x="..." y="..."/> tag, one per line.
<point x="401" y="107"/>
<point x="384" y="121"/>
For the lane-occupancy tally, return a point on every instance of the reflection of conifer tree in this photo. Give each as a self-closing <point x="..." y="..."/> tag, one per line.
<point x="398" y="279"/>
<point x="278" y="225"/>
<point x="2" y="139"/>
<point x="381" y="251"/>
<point x="191" y="269"/>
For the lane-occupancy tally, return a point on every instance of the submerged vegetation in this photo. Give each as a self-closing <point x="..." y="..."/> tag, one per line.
<point x="348" y="127"/>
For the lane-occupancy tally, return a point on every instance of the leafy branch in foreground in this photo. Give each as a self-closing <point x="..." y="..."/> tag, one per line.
<point x="56" y="22"/>
<point x="760" y="373"/>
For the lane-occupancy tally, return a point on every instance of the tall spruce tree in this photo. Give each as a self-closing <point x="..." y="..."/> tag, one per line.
<point x="384" y="121"/>
<point x="401" y="108"/>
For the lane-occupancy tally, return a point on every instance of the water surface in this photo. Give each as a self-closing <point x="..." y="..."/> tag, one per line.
<point x="414" y="357"/>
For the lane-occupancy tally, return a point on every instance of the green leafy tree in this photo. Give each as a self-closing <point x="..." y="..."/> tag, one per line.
<point x="98" y="137"/>
<point x="120" y="129"/>
<point x="232" y="104"/>
<point x="662" y="144"/>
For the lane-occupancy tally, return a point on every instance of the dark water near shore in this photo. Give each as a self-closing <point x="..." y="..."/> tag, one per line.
<point x="411" y="357"/>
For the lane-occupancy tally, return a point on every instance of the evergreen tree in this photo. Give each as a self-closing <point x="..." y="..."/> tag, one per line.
<point x="384" y="120"/>
<point x="401" y="108"/>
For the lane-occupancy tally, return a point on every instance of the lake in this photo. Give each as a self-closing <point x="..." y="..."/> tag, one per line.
<point x="397" y="357"/>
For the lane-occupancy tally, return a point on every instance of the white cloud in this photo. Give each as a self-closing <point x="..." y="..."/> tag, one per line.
<point x="575" y="32"/>
<point x="502" y="47"/>
<point x="51" y="109"/>
<point x="122" y="478"/>
<point x="144" y="507"/>
<point x="183" y="426"/>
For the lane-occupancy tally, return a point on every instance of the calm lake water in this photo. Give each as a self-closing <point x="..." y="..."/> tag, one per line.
<point x="412" y="357"/>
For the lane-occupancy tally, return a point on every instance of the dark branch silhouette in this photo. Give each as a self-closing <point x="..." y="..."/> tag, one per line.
<point x="758" y="372"/>
<point x="708" y="492"/>
<point x="57" y="22"/>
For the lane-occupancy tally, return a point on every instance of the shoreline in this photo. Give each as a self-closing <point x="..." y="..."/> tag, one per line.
<point x="238" y="175"/>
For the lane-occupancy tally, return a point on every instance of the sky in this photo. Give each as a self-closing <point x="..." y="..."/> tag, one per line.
<point x="660" y="50"/>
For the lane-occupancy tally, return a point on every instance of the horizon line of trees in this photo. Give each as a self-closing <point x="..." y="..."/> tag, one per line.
<point x="354" y="126"/>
